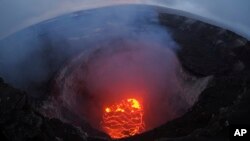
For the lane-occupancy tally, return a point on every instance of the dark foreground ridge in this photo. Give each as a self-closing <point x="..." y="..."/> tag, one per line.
<point x="20" y="122"/>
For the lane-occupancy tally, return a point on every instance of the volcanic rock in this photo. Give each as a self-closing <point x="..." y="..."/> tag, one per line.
<point x="20" y="122"/>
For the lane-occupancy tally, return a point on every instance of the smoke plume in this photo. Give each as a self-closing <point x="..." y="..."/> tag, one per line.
<point x="96" y="57"/>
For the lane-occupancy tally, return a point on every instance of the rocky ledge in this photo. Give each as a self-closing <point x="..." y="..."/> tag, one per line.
<point x="19" y="121"/>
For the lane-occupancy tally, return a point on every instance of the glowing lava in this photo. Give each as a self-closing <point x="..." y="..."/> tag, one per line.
<point x="123" y="119"/>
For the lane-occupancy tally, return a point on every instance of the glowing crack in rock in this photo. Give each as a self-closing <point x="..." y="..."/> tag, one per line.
<point x="123" y="119"/>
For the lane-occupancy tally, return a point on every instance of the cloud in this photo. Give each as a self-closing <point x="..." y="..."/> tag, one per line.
<point x="16" y="15"/>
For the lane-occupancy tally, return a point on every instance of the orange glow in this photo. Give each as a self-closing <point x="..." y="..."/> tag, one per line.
<point x="123" y="119"/>
<point x="107" y="110"/>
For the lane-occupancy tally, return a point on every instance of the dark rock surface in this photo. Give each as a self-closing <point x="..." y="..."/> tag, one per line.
<point x="205" y="49"/>
<point x="20" y="122"/>
<point x="208" y="50"/>
<point x="225" y="101"/>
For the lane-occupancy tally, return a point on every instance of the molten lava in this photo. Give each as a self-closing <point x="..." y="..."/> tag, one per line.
<point x="123" y="119"/>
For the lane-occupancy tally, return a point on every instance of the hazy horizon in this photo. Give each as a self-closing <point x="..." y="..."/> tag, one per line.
<point x="16" y="15"/>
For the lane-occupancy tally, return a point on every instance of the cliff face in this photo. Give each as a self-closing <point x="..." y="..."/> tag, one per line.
<point x="20" y="122"/>
<point x="209" y="51"/>
<point x="206" y="50"/>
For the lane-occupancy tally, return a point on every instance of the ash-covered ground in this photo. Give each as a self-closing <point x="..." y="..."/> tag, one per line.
<point x="205" y="51"/>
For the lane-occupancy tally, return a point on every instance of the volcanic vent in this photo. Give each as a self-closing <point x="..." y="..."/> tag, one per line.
<point x="124" y="119"/>
<point x="123" y="78"/>
<point x="123" y="87"/>
<point x="124" y="83"/>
